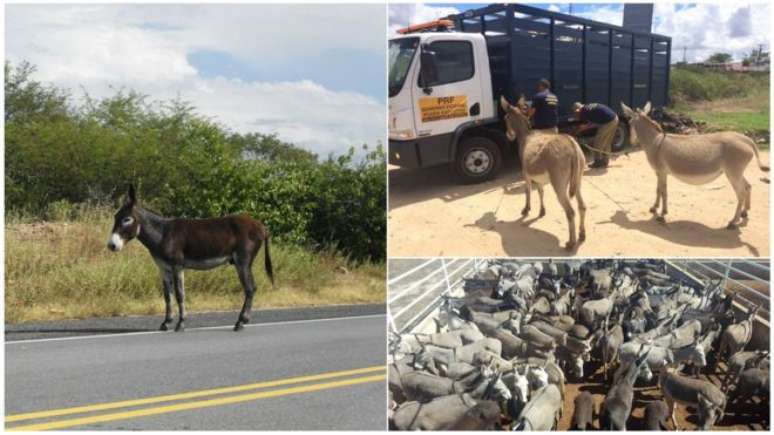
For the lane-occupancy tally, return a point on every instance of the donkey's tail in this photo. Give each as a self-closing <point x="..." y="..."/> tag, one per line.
<point x="267" y="259"/>
<point x="576" y="168"/>
<point x="757" y="155"/>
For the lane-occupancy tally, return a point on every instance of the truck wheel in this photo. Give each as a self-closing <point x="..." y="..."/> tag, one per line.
<point x="478" y="159"/>
<point x="621" y="138"/>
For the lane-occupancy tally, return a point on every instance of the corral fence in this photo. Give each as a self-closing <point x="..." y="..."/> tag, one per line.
<point x="747" y="280"/>
<point x="416" y="286"/>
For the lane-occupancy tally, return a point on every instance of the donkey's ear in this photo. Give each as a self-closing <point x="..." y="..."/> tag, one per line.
<point x="504" y="103"/>
<point x="627" y="110"/>
<point x="646" y="109"/>
<point x="131" y="197"/>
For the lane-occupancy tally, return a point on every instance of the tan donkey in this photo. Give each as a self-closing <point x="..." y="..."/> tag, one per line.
<point x="695" y="159"/>
<point x="548" y="157"/>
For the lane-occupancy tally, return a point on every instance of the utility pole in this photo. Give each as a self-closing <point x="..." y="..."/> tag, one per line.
<point x="685" y="59"/>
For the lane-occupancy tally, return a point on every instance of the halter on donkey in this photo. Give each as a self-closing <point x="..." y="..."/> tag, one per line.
<point x="178" y="244"/>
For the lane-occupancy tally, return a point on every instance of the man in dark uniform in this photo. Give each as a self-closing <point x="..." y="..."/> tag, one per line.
<point x="606" y="121"/>
<point x="544" y="110"/>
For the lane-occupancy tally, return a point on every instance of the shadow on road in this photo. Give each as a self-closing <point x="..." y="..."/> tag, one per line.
<point x="682" y="232"/>
<point x="519" y="239"/>
<point x="599" y="172"/>
<point x="410" y="186"/>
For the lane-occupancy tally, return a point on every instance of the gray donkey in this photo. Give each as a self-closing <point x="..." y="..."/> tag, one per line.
<point x="695" y="159"/>
<point x="704" y="395"/>
<point x="736" y="336"/>
<point x="617" y="406"/>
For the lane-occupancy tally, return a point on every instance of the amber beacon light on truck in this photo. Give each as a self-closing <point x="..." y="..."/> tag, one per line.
<point x="429" y="26"/>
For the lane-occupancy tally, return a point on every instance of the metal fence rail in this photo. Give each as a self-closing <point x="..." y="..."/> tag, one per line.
<point x="748" y="280"/>
<point x="415" y="293"/>
<point x="408" y="304"/>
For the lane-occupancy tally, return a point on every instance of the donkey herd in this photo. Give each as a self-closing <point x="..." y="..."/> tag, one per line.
<point x="608" y="339"/>
<point x="547" y="157"/>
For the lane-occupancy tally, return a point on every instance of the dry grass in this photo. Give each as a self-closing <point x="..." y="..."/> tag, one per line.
<point x="58" y="270"/>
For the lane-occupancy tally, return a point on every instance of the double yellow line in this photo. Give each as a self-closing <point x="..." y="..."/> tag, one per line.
<point x="311" y="383"/>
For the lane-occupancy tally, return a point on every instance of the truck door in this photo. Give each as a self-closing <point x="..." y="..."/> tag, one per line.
<point x="455" y="97"/>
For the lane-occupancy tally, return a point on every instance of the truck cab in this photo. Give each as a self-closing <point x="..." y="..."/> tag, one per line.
<point x="446" y="77"/>
<point x="440" y="87"/>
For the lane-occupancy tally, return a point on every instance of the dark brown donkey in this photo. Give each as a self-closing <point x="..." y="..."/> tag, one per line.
<point x="177" y="244"/>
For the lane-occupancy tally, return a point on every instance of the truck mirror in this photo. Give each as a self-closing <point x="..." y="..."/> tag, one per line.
<point x="428" y="70"/>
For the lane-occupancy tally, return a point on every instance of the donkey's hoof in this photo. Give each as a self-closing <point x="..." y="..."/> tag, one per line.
<point x="581" y="236"/>
<point x="569" y="246"/>
<point x="653" y="210"/>
<point x="524" y="211"/>
<point x="180" y="327"/>
<point x="239" y="326"/>
<point x="164" y="327"/>
<point x="661" y="219"/>
<point x="732" y="226"/>
<point x="744" y="215"/>
<point x="542" y="212"/>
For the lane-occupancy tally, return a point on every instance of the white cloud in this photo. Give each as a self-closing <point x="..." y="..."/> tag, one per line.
<point x="302" y="111"/>
<point x="702" y="28"/>
<point x="554" y="8"/>
<point x="605" y="14"/>
<point x="706" y="28"/>
<point x="67" y="46"/>
<point x="145" y="48"/>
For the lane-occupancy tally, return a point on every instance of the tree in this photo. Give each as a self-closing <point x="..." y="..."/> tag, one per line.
<point x="719" y="58"/>
<point x="26" y="99"/>
<point x="270" y="147"/>
<point x="756" y="57"/>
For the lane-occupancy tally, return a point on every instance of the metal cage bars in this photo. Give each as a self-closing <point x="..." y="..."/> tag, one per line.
<point x="395" y="310"/>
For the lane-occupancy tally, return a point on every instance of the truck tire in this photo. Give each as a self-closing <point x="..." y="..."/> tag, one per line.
<point x="621" y="138"/>
<point x="478" y="159"/>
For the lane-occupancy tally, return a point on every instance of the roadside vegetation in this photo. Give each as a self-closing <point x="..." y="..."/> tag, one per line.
<point x="68" y="162"/>
<point x="724" y="100"/>
<point x="62" y="270"/>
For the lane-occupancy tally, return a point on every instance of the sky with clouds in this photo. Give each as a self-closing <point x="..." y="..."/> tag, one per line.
<point x="305" y="72"/>
<point x="701" y="28"/>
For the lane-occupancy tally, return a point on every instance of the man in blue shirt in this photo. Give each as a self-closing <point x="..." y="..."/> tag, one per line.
<point x="606" y="122"/>
<point x="544" y="110"/>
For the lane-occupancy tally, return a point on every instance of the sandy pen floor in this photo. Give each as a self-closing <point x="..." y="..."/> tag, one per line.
<point x="431" y="215"/>
<point x="749" y="415"/>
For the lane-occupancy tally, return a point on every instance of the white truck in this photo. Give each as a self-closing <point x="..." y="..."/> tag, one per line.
<point x="446" y="76"/>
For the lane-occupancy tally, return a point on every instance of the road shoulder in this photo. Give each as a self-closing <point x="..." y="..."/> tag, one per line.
<point x="134" y="324"/>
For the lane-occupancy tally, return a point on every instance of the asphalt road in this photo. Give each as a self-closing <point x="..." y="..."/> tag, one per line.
<point x="287" y="375"/>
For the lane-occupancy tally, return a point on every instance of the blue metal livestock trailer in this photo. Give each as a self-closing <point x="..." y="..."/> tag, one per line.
<point x="585" y="60"/>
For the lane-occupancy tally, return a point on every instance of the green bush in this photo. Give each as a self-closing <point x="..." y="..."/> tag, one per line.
<point x="58" y="156"/>
<point x="699" y="84"/>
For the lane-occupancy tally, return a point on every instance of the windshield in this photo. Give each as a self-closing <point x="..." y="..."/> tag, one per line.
<point x="400" y="55"/>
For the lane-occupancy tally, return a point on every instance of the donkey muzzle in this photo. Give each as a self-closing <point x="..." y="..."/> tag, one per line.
<point x="115" y="243"/>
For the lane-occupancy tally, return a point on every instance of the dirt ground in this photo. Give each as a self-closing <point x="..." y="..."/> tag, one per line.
<point x="431" y="215"/>
<point x="737" y="417"/>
